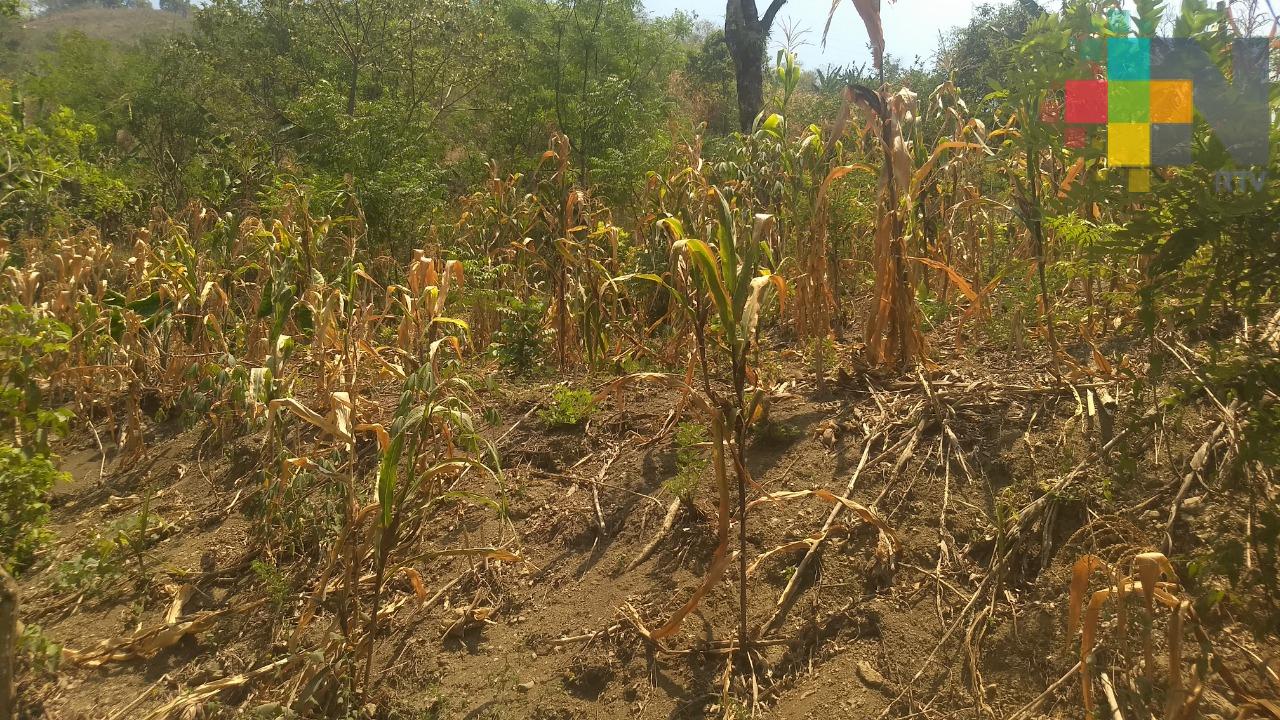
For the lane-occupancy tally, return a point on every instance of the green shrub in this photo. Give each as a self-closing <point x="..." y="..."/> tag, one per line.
<point x="274" y="581"/>
<point x="29" y="345"/>
<point x="568" y="408"/>
<point x="50" y="179"/>
<point x="521" y="338"/>
<point x="44" y="653"/>
<point x="24" y="484"/>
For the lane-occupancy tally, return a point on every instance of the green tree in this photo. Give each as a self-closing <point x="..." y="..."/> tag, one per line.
<point x="977" y="55"/>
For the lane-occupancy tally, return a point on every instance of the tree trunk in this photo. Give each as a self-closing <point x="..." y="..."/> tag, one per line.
<point x="8" y="643"/>
<point x="353" y="84"/>
<point x="745" y="33"/>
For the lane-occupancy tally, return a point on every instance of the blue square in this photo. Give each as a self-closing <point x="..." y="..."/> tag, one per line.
<point x="1129" y="59"/>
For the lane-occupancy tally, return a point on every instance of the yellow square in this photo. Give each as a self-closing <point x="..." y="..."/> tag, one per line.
<point x="1139" y="180"/>
<point x="1129" y="145"/>
<point x="1171" y="101"/>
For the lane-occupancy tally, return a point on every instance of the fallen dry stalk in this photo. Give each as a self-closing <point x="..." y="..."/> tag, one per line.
<point x="785" y="601"/>
<point x="668" y="522"/>
<point x="197" y="695"/>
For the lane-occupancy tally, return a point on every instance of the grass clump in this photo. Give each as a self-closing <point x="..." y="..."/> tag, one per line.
<point x="568" y="408"/>
<point x="691" y="461"/>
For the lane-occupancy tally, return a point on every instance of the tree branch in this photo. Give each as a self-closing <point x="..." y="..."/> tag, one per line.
<point x="766" y="22"/>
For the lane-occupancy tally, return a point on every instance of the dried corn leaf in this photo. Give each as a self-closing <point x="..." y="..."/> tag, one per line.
<point x="180" y="598"/>
<point x="956" y="279"/>
<point x="751" y="311"/>
<point x="869" y="10"/>
<point x="415" y="580"/>
<point x="341" y="417"/>
<point x="191" y="699"/>
<point x="867" y="514"/>
<point x="305" y="413"/>
<point x="719" y="561"/>
<point x="1072" y="174"/>
<point x="487" y="553"/>
<point x="923" y="172"/>
<point x="1080" y="572"/>
<point x="146" y="643"/>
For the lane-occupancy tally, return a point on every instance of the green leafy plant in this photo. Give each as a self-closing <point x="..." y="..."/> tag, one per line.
<point x="273" y="581"/>
<point x="568" y="408"/>
<point x="29" y="344"/>
<point x="43" y="653"/>
<point x="24" y="483"/>
<point x="522" y="338"/>
<point x="103" y="561"/>
<point x="691" y="442"/>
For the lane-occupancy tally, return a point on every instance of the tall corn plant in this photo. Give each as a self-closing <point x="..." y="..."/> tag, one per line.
<point x="893" y="328"/>
<point x="727" y="280"/>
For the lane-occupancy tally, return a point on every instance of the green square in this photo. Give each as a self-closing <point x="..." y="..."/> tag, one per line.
<point x="1091" y="49"/>
<point x="1129" y="102"/>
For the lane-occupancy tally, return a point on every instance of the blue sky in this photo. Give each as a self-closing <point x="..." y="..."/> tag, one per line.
<point x="911" y="27"/>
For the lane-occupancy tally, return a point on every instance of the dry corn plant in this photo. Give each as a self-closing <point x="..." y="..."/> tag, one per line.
<point x="421" y="304"/>
<point x="951" y="207"/>
<point x="893" y="326"/>
<point x="565" y="249"/>
<point x="677" y="203"/>
<point x="817" y="284"/>
<point x="426" y="449"/>
<point x="491" y="230"/>
<point x="1152" y="578"/>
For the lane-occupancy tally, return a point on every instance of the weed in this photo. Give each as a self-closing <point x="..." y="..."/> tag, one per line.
<point x="44" y="653"/>
<point x="102" y="563"/>
<point x="274" y="582"/>
<point x="568" y="408"/>
<point x="691" y="461"/>
<point x="29" y="345"/>
<point x="772" y="432"/>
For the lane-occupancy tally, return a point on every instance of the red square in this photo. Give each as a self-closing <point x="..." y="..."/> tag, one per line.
<point x="1087" y="102"/>
<point x="1076" y="136"/>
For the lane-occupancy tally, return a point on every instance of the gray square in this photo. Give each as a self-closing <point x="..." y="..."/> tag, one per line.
<point x="1170" y="144"/>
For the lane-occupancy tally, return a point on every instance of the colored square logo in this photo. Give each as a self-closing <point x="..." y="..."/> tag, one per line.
<point x="1140" y="180"/>
<point x="1171" y="101"/>
<point x="1171" y="144"/>
<point x="1076" y="136"/>
<point x="1129" y="145"/>
<point x="1086" y="102"/>
<point x="1129" y="102"/>
<point x="1129" y="58"/>
<point x="1092" y="49"/>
